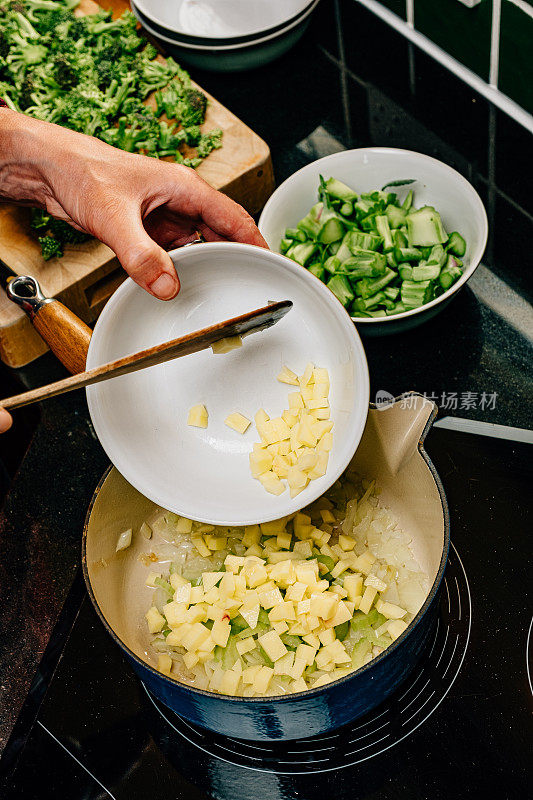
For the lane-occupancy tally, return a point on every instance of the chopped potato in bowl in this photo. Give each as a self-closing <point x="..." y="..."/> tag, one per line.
<point x="284" y="606"/>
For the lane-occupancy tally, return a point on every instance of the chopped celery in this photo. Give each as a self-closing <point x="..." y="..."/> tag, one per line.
<point x="396" y="216"/>
<point x="367" y="287"/>
<point x="378" y="256"/>
<point x="341" y="288"/>
<point x="346" y="209"/>
<point x="361" y="621"/>
<point x="263" y="617"/>
<point x="165" y="585"/>
<point x="341" y="631"/>
<point x="238" y="624"/>
<point x="450" y="273"/>
<point x="317" y="270"/>
<point x="456" y="244"/>
<point x="357" y="240"/>
<point x="339" y="190"/>
<point x="402" y="254"/>
<point x="424" y="228"/>
<point x="291" y="642"/>
<point x="301" y="253"/>
<point x="295" y="233"/>
<point x="426" y="272"/>
<point x="416" y="293"/>
<point x="382" y="227"/>
<point x="360" y="651"/>
<point x="229" y="654"/>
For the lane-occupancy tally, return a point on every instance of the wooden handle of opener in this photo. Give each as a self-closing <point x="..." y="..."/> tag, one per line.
<point x="64" y="333"/>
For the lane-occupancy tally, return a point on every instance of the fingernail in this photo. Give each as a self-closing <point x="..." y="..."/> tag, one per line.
<point x="165" y="286"/>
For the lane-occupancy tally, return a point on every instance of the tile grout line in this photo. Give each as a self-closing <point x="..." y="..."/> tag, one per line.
<point x="495" y="42"/>
<point x="76" y="759"/>
<point x="492" y="93"/>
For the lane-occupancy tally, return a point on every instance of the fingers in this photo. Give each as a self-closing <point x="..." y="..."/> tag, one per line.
<point x="5" y="420"/>
<point x="144" y="260"/>
<point x="219" y="217"/>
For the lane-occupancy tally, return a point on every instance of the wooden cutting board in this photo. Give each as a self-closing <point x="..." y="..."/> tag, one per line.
<point x="88" y="273"/>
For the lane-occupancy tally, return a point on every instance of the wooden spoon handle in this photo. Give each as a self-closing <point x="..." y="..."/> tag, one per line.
<point x="64" y="333"/>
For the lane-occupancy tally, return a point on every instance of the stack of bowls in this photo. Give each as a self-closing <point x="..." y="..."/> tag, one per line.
<point x="225" y="35"/>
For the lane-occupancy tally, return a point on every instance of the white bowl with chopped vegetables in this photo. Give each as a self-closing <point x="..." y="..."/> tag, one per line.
<point x="243" y="435"/>
<point x="393" y="233"/>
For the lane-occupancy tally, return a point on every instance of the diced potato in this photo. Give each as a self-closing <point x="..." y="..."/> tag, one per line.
<point x="390" y="610"/>
<point x="284" y="540"/>
<point x="368" y="598"/>
<point x="283" y="573"/>
<point x="191" y="659"/>
<point x="342" y="614"/>
<point x="298" y="668"/>
<point x="230" y="682"/>
<point x="254" y="550"/>
<point x="303" y="548"/>
<point x="321" y="465"/>
<point x="307" y="461"/>
<point x="196" y="613"/>
<point x="282" y="611"/>
<point x="281" y="466"/>
<point x="321" y="413"/>
<point x="252" y="535"/>
<point x="346" y="542"/>
<point x="272" y="483"/>
<point x="303" y="606"/>
<point x="288" y="376"/>
<point x="124" y="540"/>
<point x="296" y="401"/>
<point x="308" y="375"/>
<point x="261" y="417"/>
<point x="256" y="574"/>
<point x="364" y="562"/>
<point x="234" y="563"/>
<point x="197" y="634"/>
<point x="298" y="686"/>
<point x="145" y="530"/>
<point x="183" y="525"/>
<point x="245" y="645"/>
<point x="326" y="636"/>
<point x="238" y="422"/>
<point x="198" y="416"/>
<point x="284" y="448"/>
<point x="354" y="586"/>
<point x="339" y="568"/>
<point x="226" y="586"/>
<point x="250" y="673"/>
<point x="151" y="579"/>
<point x="272" y="645"/>
<point x="273" y="449"/>
<point x="284" y="664"/>
<point x="250" y="614"/>
<point x="338" y="652"/>
<point x="396" y="627"/>
<point x="175" y="613"/>
<point x="327" y="516"/>
<point x="155" y="620"/>
<point x="296" y="478"/>
<point x="306" y="653"/>
<point x="164" y="663"/>
<point x="201" y="546"/>
<point x="324" y="604"/>
<point x="262" y="679"/>
<point x="210" y="579"/>
<point x="296" y="592"/>
<point x="226" y="345"/>
<point x="270" y="598"/>
<point x="290" y="418"/>
<point x="312" y="639"/>
<point x="220" y="632"/>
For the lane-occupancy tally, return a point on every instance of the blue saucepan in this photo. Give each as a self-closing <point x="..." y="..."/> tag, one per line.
<point x="392" y="452"/>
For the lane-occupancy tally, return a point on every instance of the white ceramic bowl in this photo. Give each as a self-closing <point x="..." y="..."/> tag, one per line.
<point x="141" y="419"/>
<point x="370" y="168"/>
<point x="220" y="19"/>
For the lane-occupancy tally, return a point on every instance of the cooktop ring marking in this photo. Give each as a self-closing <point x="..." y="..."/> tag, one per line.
<point x="528" y="646"/>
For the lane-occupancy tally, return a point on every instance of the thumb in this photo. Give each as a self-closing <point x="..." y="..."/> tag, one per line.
<point x="145" y="261"/>
<point x="5" y="420"/>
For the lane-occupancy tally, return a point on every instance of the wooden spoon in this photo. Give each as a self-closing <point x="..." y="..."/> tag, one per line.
<point x="247" y="323"/>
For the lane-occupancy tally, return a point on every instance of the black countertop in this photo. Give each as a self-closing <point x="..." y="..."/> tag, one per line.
<point x="351" y="82"/>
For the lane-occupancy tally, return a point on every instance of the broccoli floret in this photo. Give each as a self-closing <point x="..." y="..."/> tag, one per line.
<point x="65" y="74"/>
<point x="25" y="99"/>
<point x="40" y="219"/>
<point x="209" y="141"/>
<point x="192" y="109"/>
<point x="50" y="247"/>
<point x="5" y="44"/>
<point x="193" y="134"/>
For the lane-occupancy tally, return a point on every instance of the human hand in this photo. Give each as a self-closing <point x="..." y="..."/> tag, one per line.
<point x="5" y="420"/>
<point x="138" y="206"/>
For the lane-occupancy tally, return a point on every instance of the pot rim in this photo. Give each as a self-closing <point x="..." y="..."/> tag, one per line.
<point x="308" y="692"/>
